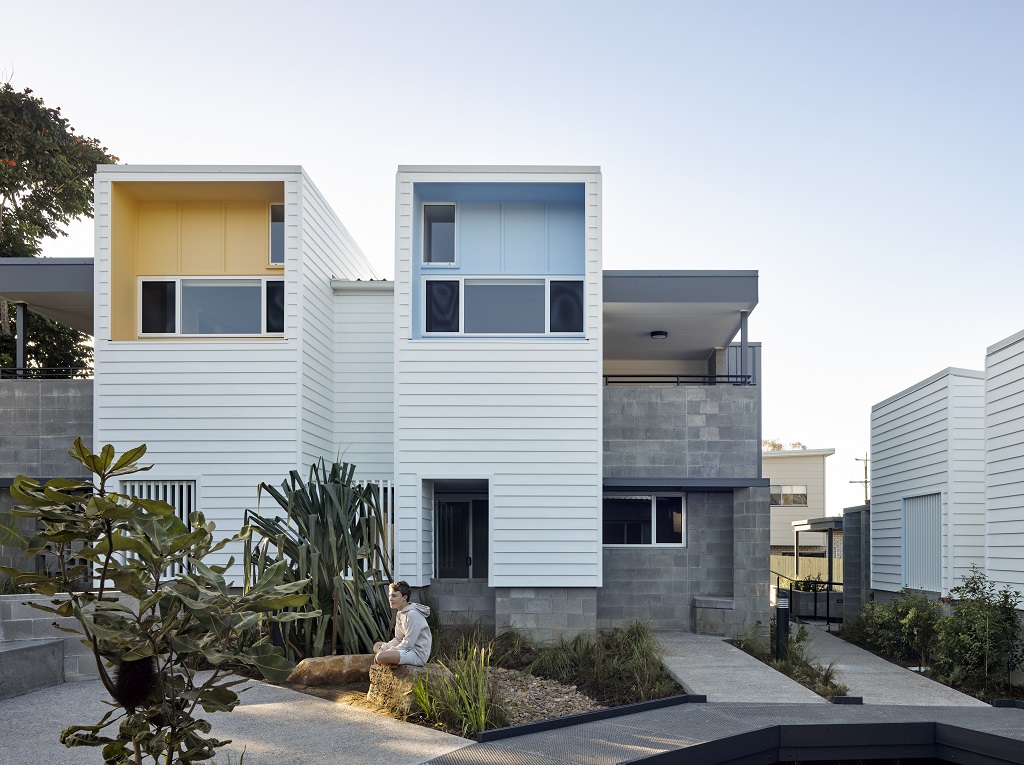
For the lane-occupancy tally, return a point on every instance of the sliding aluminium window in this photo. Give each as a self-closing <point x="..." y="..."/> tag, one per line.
<point x="512" y="307"/>
<point x="211" y="306"/>
<point x="644" y="519"/>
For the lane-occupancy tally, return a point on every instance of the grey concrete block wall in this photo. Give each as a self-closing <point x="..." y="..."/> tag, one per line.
<point x="688" y="431"/>
<point x="549" y="613"/>
<point x="856" y="559"/>
<point x="39" y="420"/>
<point x="20" y="621"/>
<point x="659" y="584"/>
<point x="459" y="601"/>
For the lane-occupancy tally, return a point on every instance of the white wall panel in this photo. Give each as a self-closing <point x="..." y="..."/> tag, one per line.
<point x="925" y="440"/>
<point x="522" y="413"/>
<point x="364" y="382"/>
<point x="1004" y="462"/>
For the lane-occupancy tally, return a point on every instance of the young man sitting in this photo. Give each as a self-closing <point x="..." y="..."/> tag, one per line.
<point x="411" y="644"/>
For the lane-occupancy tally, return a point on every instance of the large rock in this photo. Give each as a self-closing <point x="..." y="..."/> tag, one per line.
<point x="332" y="670"/>
<point x="391" y="685"/>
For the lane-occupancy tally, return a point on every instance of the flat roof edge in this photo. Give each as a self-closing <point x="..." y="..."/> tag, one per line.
<point x="659" y="273"/>
<point x="499" y="169"/>
<point x="1005" y="342"/>
<point x="799" y="452"/>
<point x="947" y="372"/>
<point x="212" y="169"/>
<point x="360" y="287"/>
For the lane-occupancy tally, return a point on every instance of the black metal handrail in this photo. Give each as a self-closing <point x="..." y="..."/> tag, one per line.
<point x="45" y="373"/>
<point x="819" y="585"/>
<point x="677" y="379"/>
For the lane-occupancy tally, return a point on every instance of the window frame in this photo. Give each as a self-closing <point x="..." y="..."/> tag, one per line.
<point x="653" y="519"/>
<point x="484" y="279"/>
<point x="270" y="227"/>
<point x="177" y="280"/>
<point x="783" y="494"/>
<point x="424" y="263"/>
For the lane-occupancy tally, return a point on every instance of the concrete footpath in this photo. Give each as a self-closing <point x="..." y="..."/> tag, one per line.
<point x="272" y="725"/>
<point x="722" y="672"/>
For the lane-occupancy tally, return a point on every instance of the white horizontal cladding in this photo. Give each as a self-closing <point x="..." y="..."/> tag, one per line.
<point x="328" y="251"/>
<point x="221" y="413"/>
<point x="925" y="443"/>
<point x="364" y="381"/>
<point x="522" y="414"/>
<point x="1004" y="462"/>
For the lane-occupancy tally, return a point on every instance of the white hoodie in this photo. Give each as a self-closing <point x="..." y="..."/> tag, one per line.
<point x="412" y="632"/>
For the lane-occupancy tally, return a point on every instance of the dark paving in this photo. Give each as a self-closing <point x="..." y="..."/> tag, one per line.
<point x="609" y="742"/>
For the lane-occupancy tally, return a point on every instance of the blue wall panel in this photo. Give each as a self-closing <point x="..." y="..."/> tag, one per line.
<point x="479" y="250"/>
<point x="525" y="239"/>
<point x="566" y="239"/>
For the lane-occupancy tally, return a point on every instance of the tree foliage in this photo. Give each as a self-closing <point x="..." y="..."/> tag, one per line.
<point x="46" y="172"/>
<point x="775" y="445"/>
<point x="174" y="614"/>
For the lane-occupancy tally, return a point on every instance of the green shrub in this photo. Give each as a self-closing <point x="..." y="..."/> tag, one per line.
<point x="614" y="667"/>
<point x="466" y="701"/>
<point x="904" y="629"/>
<point x="176" y="613"/>
<point x="981" y="639"/>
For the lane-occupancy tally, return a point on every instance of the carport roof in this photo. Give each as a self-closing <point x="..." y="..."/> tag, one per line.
<point x="58" y="288"/>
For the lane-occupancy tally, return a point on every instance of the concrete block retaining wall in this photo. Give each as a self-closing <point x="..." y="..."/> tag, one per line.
<point x="20" y="621"/>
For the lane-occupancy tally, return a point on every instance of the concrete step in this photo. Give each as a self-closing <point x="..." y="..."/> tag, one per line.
<point x="28" y="665"/>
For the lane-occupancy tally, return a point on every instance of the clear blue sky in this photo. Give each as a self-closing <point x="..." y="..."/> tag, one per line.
<point x="865" y="157"/>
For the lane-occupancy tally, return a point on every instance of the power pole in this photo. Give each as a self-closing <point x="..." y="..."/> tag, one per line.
<point x="864" y="481"/>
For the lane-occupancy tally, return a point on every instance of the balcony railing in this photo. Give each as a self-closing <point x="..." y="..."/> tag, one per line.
<point x="677" y="379"/>
<point x="45" y="373"/>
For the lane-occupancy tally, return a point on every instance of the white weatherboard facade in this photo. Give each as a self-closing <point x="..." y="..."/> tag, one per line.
<point x="226" y="413"/>
<point x="928" y="483"/>
<point x="521" y="414"/>
<point x="1004" y="462"/>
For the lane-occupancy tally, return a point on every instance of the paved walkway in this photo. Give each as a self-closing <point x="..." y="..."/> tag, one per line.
<point x="879" y="681"/>
<point x="722" y="672"/>
<point x="279" y="726"/>
<point x="274" y="726"/>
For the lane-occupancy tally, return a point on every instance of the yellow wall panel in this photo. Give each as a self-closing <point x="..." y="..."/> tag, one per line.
<point x="202" y="239"/>
<point x="247" y="239"/>
<point x="123" y="231"/>
<point x="158" y="239"/>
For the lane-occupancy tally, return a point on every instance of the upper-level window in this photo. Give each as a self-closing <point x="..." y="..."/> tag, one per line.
<point x="439" y="234"/>
<point x="646" y="519"/>
<point x="788" y="496"/>
<point x="495" y="306"/>
<point x="277" y="235"/>
<point x="211" y="307"/>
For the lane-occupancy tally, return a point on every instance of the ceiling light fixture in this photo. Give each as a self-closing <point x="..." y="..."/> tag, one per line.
<point x="659" y="334"/>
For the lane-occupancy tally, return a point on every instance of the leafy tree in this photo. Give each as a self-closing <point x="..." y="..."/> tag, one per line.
<point x="175" y="614"/>
<point x="45" y="182"/>
<point x="775" y="445"/>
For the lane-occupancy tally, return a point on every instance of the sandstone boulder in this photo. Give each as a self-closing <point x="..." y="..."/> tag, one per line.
<point x="332" y="670"/>
<point x="391" y="685"/>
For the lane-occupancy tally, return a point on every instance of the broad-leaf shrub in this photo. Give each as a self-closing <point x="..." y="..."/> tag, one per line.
<point x="173" y="614"/>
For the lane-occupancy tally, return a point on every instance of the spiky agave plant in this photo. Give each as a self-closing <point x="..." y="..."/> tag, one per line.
<point x="333" y="533"/>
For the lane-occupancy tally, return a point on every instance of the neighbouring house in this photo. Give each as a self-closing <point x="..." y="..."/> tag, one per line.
<point x="947" y="477"/>
<point x="562" y="447"/>
<point x="797" y="493"/>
